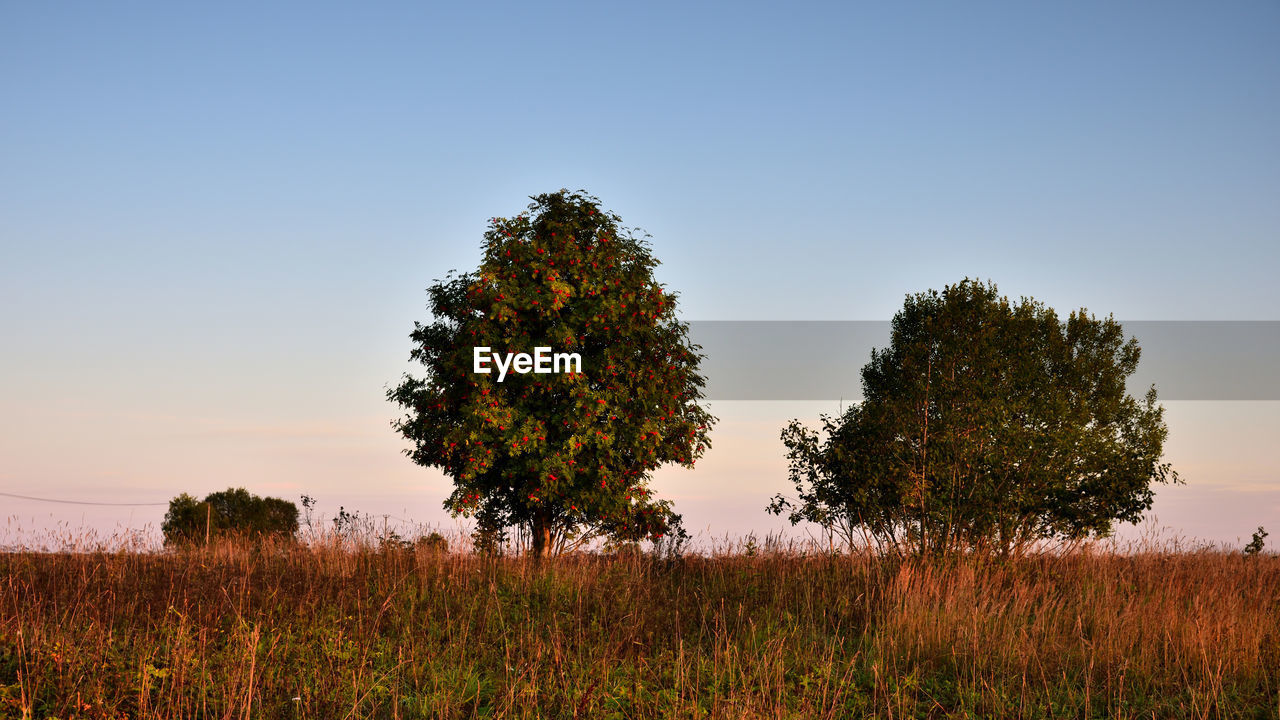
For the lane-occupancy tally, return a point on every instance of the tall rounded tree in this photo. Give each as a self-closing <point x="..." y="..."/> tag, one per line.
<point x="566" y="455"/>
<point x="984" y="424"/>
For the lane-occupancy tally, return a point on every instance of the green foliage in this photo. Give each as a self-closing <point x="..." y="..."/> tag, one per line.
<point x="985" y="425"/>
<point x="567" y="456"/>
<point x="233" y="510"/>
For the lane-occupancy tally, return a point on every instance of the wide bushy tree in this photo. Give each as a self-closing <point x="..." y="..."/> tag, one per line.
<point x="985" y="424"/>
<point x="565" y="456"/>
<point x="234" y="510"/>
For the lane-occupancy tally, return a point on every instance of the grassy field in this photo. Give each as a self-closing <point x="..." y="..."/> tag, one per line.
<point x="324" y="631"/>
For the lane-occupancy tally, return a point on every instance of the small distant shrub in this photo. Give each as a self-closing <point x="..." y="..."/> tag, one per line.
<point x="1256" y="543"/>
<point x="231" y="511"/>
<point x="433" y="542"/>
<point x="391" y="541"/>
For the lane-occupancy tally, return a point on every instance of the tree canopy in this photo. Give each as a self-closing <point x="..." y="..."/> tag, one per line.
<point x="234" y="510"/>
<point x="985" y="424"/>
<point x="564" y="455"/>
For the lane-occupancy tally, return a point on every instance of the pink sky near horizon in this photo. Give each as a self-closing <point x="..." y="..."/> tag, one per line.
<point x="1223" y="449"/>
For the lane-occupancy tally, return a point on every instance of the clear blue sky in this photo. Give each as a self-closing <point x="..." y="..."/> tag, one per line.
<point x="217" y="221"/>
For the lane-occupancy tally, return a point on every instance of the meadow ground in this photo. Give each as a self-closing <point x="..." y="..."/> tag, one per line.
<point x="326" y="630"/>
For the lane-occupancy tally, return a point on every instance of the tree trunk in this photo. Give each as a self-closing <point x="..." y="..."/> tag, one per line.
<point x="541" y="534"/>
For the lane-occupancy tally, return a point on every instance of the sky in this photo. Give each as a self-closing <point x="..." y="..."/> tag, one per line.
<point x="217" y="222"/>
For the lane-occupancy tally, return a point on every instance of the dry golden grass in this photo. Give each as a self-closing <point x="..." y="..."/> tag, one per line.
<point x="326" y="630"/>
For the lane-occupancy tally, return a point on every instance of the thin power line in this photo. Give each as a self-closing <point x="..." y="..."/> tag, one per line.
<point x="79" y="502"/>
<point x="116" y="504"/>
